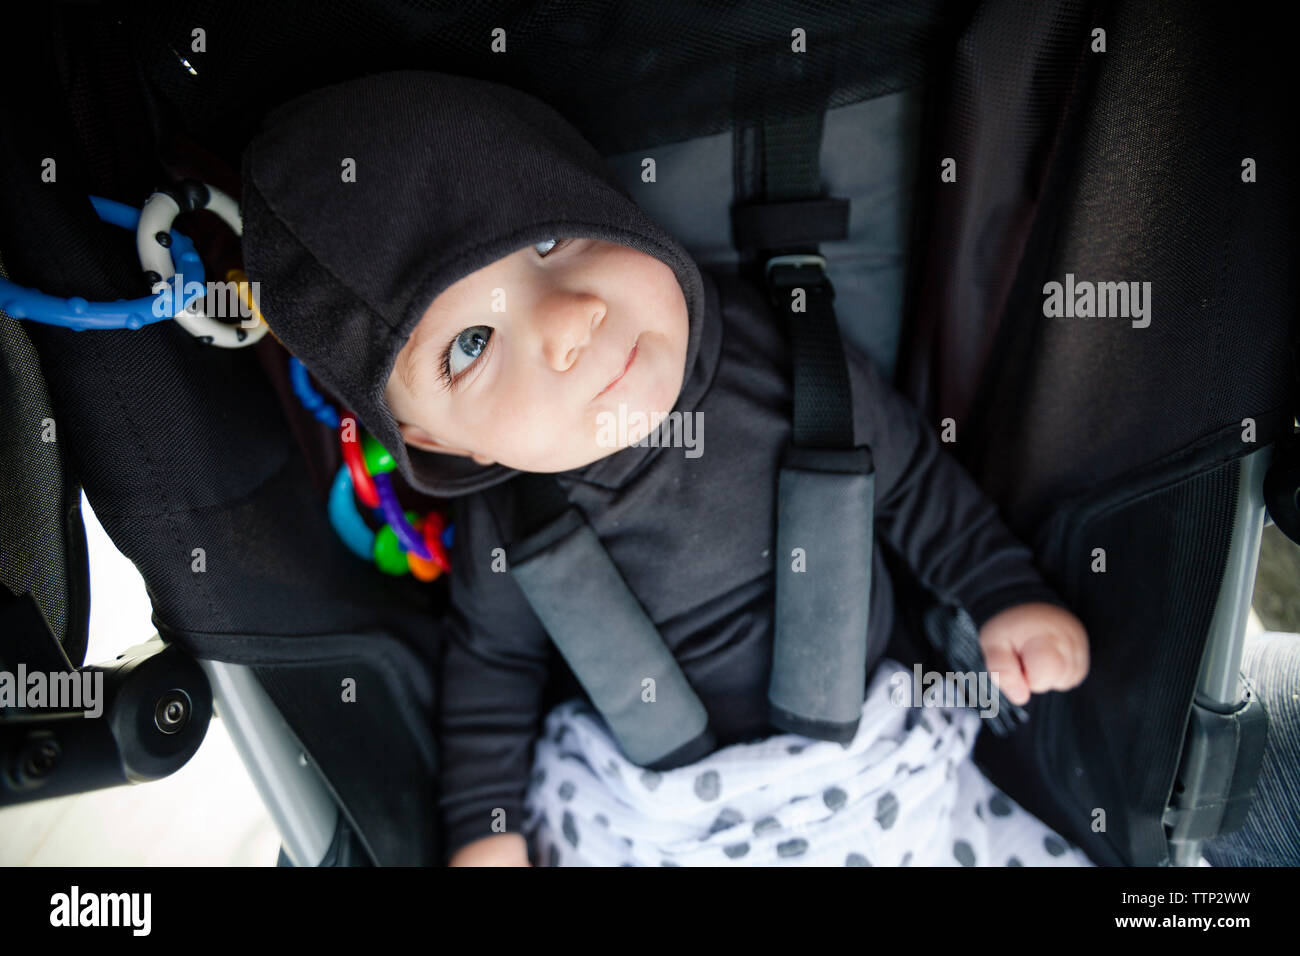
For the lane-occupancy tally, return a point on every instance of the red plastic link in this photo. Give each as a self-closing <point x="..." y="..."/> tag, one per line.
<point x="433" y="525"/>
<point x="363" y="484"/>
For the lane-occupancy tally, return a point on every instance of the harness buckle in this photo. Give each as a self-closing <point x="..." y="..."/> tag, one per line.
<point x="799" y="269"/>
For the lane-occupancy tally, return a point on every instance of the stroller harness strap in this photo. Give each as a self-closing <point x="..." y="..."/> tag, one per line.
<point x="823" y="583"/>
<point x="826" y="486"/>
<point x="610" y="643"/>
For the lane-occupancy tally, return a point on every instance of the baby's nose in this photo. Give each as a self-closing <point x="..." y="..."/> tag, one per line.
<point x="568" y="328"/>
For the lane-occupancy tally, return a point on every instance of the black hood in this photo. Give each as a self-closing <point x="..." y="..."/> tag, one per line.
<point x="451" y="174"/>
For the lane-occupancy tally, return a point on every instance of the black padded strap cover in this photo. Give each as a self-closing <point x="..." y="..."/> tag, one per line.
<point x="611" y="645"/>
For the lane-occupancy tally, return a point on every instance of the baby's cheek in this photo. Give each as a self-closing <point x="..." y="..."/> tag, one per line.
<point x="524" y="439"/>
<point x="534" y="441"/>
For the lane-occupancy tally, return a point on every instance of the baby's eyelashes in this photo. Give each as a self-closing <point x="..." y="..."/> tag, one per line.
<point x="550" y="246"/>
<point x="463" y="350"/>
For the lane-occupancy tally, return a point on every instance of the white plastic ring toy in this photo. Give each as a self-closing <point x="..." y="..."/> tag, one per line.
<point x="153" y="244"/>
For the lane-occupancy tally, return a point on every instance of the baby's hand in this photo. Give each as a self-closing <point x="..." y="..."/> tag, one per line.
<point x="500" y="849"/>
<point x="1035" y="647"/>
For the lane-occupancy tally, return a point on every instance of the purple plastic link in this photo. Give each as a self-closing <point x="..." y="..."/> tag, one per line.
<point x="411" y="540"/>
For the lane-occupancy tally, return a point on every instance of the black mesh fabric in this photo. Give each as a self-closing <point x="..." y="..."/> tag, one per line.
<point x="997" y="114"/>
<point x="1142" y="182"/>
<point x="1114" y="743"/>
<point x="1116" y="166"/>
<point x="627" y="75"/>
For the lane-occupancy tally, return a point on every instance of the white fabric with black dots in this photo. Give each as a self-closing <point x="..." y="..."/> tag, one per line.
<point x="903" y="792"/>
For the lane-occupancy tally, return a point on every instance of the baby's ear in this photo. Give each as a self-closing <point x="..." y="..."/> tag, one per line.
<point x="417" y="437"/>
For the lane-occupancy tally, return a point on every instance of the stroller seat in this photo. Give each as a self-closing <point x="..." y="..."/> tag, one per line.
<point x="985" y="149"/>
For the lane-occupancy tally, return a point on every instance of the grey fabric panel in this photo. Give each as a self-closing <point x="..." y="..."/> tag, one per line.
<point x="819" y="655"/>
<point x="34" y="557"/>
<point x="869" y="152"/>
<point x="609" y="642"/>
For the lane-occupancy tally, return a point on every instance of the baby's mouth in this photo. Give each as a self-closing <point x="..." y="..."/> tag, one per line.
<point x="631" y="357"/>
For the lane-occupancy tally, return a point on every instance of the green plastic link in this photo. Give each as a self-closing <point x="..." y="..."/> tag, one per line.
<point x="378" y="459"/>
<point x="389" y="556"/>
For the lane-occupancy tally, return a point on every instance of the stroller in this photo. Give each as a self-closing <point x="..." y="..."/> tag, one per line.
<point x="946" y="161"/>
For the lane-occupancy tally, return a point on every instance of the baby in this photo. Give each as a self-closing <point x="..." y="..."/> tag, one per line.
<point x="453" y="260"/>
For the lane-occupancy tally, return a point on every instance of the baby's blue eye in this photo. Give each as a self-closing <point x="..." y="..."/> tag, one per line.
<point x="550" y="245"/>
<point x="465" y="348"/>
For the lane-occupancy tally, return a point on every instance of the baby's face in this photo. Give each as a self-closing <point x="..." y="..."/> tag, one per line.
<point x="516" y="363"/>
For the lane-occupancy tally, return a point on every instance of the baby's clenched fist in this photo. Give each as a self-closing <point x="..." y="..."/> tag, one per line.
<point x="1035" y="647"/>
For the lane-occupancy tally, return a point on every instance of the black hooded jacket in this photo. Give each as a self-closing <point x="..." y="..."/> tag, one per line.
<point x="452" y="174"/>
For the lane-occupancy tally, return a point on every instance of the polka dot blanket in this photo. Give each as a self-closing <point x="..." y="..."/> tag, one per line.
<point x="903" y="792"/>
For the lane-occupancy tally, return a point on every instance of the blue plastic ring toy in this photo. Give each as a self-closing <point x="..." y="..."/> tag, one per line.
<point x="309" y="398"/>
<point x="79" y="315"/>
<point x="347" y="521"/>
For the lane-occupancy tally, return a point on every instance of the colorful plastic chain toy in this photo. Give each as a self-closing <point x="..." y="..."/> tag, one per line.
<point x="405" y="542"/>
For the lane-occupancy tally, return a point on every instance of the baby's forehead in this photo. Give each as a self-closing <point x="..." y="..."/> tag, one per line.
<point x="473" y="283"/>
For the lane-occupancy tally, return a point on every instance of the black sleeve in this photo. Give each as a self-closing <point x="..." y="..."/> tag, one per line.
<point x="932" y="512"/>
<point x="495" y="661"/>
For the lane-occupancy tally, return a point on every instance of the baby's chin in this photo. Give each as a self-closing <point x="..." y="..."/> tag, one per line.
<point x="611" y="432"/>
<point x="552" y="463"/>
<point x="618" y="423"/>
